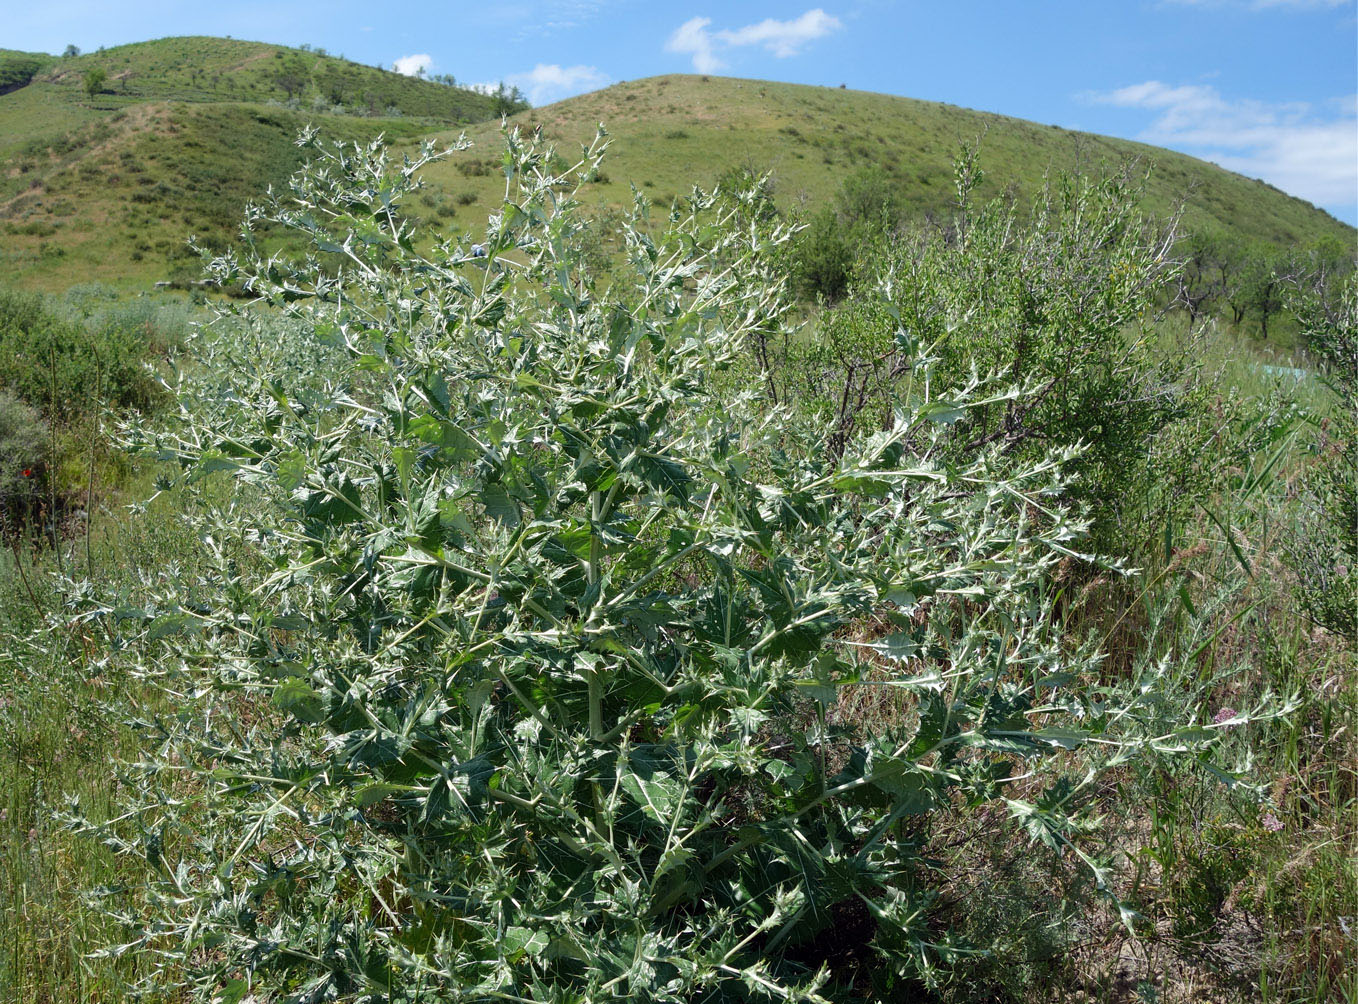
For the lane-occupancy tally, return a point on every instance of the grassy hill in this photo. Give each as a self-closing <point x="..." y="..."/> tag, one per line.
<point x="181" y="134"/>
<point x="671" y="131"/>
<point x="198" y="68"/>
<point x="185" y="130"/>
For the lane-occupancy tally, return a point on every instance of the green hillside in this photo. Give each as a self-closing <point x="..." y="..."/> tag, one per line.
<point x="671" y="131"/>
<point x="199" y="68"/>
<point x="17" y="69"/>
<point x="180" y="134"/>
<point x="183" y="131"/>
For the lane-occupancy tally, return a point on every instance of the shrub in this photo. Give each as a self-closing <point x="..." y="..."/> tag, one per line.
<point x="824" y="259"/>
<point x="1325" y="543"/>
<point x="55" y="364"/>
<point x="514" y="678"/>
<point x="867" y="208"/>
<point x="474" y="167"/>
<point x="94" y="80"/>
<point x="869" y="198"/>
<point x="1061" y="303"/>
<point x="23" y="447"/>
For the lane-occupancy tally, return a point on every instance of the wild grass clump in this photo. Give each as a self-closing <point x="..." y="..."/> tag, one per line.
<point x="68" y="709"/>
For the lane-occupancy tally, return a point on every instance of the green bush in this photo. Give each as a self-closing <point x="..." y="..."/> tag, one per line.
<point x="16" y="71"/>
<point x="24" y="445"/>
<point x="1063" y="306"/>
<point x="866" y="209"/>
<point x="94" y="80"/>
<point x="513" y="676"/>
<point x="824" y="258"/>
<point x="56" y="365"/>
<point x="1325" y="544"/>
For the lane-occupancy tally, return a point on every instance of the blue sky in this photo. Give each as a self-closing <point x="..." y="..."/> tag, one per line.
<point x="1264" y="87"/>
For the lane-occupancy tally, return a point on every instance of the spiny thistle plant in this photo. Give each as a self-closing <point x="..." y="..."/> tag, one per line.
<point x="510" y="678"/>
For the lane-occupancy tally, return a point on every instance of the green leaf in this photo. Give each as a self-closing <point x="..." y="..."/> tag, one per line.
<point x="298" y="699"/>
<point x="212" y="462"/>
<point x="896" y="647"/>
<point x="172" y="624"/>
<point x="499" y="505"/>
<point x="520" y="941"/>
<point x="665" y="474"/>
<point x="1066" y="738"/>
<point x="445" y="435"/>
<point x="911" y="793"/>
<point x="656" y="792"/>
<point x="291" y="470"/>
<point x="942" y="412"/>
<point x="371" y="794"/>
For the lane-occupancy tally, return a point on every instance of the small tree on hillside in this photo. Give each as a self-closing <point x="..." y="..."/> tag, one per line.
<point x="1199" y="284"/>
<point x="291" y="75"/>
<point x="1265" y="281"/>
<point x="508" y="99"/>
<point x="94" y="81"/>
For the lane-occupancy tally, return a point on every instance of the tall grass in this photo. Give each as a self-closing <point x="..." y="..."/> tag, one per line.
<point x="65" y="705"/>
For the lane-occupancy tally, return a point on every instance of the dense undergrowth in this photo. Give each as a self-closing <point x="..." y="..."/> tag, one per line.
<point x="497" y="633"/>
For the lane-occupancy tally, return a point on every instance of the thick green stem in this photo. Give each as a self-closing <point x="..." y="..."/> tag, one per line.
<point x="595" y="547"/>
<point x="596" y="706"/>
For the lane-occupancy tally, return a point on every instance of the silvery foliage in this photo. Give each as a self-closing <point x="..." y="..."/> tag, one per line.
<point x="510" y="671"/>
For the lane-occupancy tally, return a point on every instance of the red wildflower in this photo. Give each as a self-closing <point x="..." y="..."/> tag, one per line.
<point x="28" y="472"/>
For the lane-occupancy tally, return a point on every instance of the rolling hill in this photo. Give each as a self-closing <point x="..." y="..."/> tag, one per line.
<point x="182" y="132"/>
<point x="186" y="130"/>
<point x="671" y="131"/>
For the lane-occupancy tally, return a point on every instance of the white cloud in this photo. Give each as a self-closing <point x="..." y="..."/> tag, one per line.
<point x="550" y="81"/>
<point x="1267" y="4"/>
<point x="693" y="38"/>
<point x="1309" y="153"/>
<point x="413" y="66"/>
<point x="782" y="38"/>
<point x="547" y="17"/>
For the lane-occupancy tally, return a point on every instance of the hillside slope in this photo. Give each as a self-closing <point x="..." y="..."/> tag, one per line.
<point x="669" y="132"/>
<point x="180" y="134"/>
<point x="187" y="130"/>
<point x="200" y="68"/>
